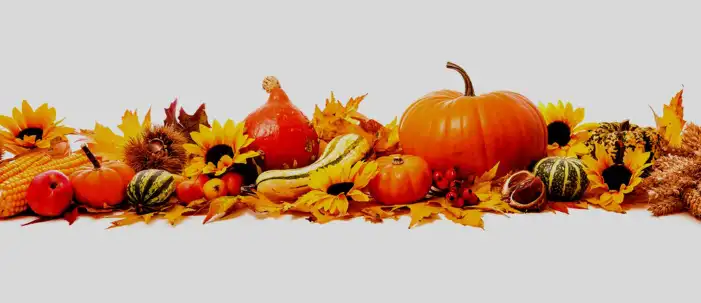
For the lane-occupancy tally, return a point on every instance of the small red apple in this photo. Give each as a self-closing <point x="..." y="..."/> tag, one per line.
<point x="233" y="182"/>
<point x="214" y="188"/>
<point x="50" y="193"/>
<point x="189" y="190"/>
<point x="201" y="180"/>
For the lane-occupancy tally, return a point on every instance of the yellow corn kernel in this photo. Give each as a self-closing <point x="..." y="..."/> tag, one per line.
<point x="23" y="163"/>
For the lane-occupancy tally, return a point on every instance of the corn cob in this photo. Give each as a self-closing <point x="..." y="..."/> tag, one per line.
<point x="22" y="164"/>
<point x="13" y="192"/>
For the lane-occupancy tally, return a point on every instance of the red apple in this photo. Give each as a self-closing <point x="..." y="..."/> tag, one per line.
<point x="189" y="190"/>
<point x="214" y="188"/>
<point x="50" y="193"/>
<point x="233" y="182"/>
<point x="201" y="180"/>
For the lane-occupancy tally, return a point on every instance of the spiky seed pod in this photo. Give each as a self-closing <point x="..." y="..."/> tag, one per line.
<point x="161" y="147"/>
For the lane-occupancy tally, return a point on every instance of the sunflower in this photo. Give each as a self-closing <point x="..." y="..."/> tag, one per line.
<point x="218" y="148"/>
<point x="611" y="178"/>
<point x="29" y="129"/>
<point x="333" y="186"/>
<point x="566" y="136"/>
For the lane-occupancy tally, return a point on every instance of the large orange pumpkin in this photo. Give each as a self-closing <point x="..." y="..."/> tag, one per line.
<point x="474" y="132"/>
<point x="103" y="184"/>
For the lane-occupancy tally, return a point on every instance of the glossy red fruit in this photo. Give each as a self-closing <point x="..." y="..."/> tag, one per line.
<point x="232" y="182"/>
<point x="469" y="196"/>
<point x="189" y="190"/>
<point x="50" y="193"/>
<point x="437" y="177"/>
<point x="459" y="203"/>
<point x="201" y="180"/>
<point x="450" y="174"/>
<point x="451" y="197"/>
<point x="281" y="131"/>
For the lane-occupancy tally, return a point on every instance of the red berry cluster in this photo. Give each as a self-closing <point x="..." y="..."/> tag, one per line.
<point x="458" y="195"/>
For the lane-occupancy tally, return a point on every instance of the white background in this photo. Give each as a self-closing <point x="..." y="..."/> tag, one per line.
<point x="94" y="59"/>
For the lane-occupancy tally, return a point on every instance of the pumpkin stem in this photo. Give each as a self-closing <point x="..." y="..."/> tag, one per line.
<point x="619" y="152"/>
<point x="469" y="89"/>
<point x="91" y="156"/>
<point x="270" y="83"/>
<point x="397" y="161"/>
<point x="625" y="125"/>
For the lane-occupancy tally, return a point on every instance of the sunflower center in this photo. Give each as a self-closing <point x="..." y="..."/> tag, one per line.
<point x="616" y="175"/>
<point x="558" y="132"/>
<point x="217" y="152"/>
<point x="32" y="131"/>
<point x="340" y="188"/>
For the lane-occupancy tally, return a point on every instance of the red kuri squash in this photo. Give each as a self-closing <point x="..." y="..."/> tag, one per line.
<point x="474" y="132"/>
<point x="281" y="131"/>
<point x="401" y="179"/>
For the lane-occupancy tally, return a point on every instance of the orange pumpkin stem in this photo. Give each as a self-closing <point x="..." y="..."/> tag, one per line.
<point x="469" y="89"/>
<point x="397" y="160"/>
<point x="91" y="156"/>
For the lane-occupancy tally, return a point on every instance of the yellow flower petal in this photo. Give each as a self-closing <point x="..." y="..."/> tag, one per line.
<point x="358" y="196"/>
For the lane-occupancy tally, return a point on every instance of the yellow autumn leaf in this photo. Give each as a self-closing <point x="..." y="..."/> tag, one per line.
<point x="489" y="175"/>
<point x="109" y="145"/>
<point x="421" y="212"/>
<point x="129" y="218"/>
<point x="388" y="136"/>
<point x="671" y="123"/>
<point x="130" y="126"/>
<point x="467" y="217"/>
<point x="220" y="206"/>
<point x="175" y="214"/>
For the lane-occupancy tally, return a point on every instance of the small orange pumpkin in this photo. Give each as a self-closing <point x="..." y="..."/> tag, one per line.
<point x="102" y="185"/>
<point x="401" y="179"/>
<point x="474" y="132"/>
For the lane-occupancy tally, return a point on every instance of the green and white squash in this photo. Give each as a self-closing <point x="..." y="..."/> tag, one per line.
<point x="565" y="178"/>
<point x="150" y="189"/>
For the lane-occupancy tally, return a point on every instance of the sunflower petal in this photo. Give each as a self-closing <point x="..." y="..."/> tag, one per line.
<point x="358" y="196"/>
<point x="241" y="158"/>
<point x="9" y="124"/>
<point x="193" y="149"/>
<point x="19" y="118"/>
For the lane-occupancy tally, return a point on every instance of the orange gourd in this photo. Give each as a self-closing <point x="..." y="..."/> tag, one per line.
<point x="103" y="184"/>
<point x="474" y="132"/>
<point x="401" y="179"/>
<point x="281" y="131"/>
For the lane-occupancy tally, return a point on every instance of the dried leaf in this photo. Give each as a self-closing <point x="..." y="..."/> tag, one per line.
<point x="37" y="220"/>
<point x="564" y="207"/>
<point x="671" y="123"/>
<point x="185" y="122"/>
<point x="71" y="216"/>
<point x="175" y="214"/>
<point x="129" y="218"/>
<point x="466" y="217"/>
<point x="422" y="212"/>
<point x="220" y="206"/>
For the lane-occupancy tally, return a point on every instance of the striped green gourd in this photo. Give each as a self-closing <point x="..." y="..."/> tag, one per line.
<point x="565" y="178"/>
<point x="150" y="189"/>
